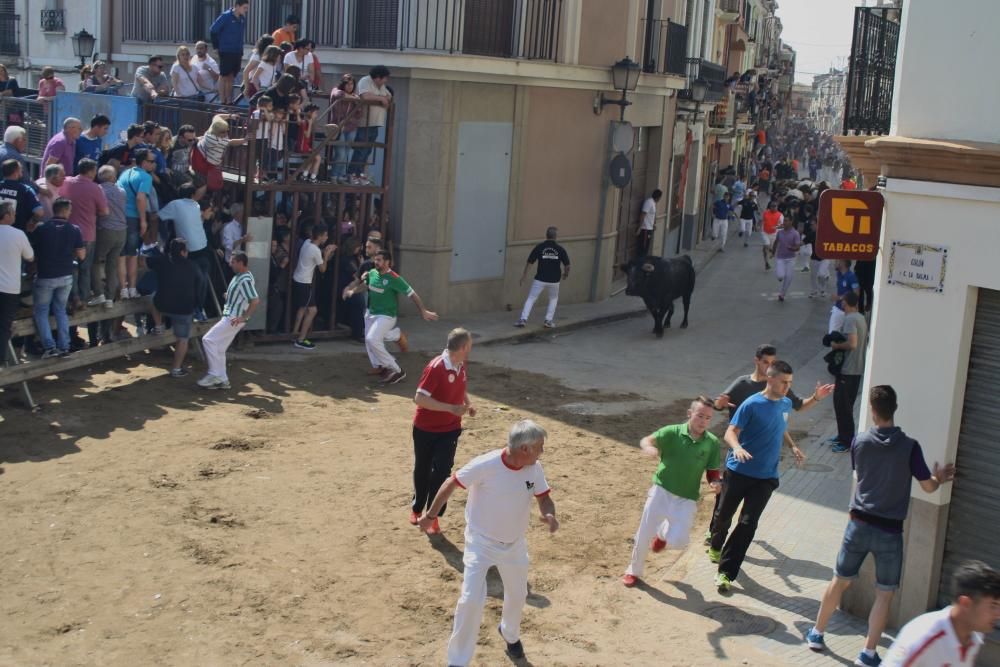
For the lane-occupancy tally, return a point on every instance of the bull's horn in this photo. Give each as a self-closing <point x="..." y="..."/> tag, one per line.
<point x="648" y="268"/>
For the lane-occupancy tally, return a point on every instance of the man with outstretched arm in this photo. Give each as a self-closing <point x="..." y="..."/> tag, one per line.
<point x="686" y="451"/>
<point x="501" y="487"/>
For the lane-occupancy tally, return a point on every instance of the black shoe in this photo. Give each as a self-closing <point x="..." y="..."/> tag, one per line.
<point x="514" y="651"/>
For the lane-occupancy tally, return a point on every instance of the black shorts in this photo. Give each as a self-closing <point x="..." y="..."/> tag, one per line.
<point x="302" y="295"/>
<point x="229" y="63"/>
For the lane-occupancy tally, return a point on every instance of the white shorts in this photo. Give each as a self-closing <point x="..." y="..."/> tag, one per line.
<point x="767" y="239"/>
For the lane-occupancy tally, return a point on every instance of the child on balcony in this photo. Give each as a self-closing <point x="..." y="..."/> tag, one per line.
<point x="304" y="144"/>
<point x="263" y="115"/>
<point x="207" y="154"/>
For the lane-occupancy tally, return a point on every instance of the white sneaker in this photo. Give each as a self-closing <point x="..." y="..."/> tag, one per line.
<point x="124" y="294"/>
<point x="97" y="300"/>
<point x="209" y="381"/>
<point x="133" y="293"/>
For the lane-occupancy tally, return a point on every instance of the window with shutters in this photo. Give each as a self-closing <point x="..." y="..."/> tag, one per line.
<point x="375" y="24"/>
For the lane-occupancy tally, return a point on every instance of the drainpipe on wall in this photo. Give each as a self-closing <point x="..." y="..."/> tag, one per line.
<point x="599" y="239"/>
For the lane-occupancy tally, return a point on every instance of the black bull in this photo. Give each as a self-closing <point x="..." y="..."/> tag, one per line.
<point x="660" y="282"/>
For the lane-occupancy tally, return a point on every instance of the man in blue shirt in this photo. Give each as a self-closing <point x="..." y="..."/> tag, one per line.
<point x="90" y="144"/>
<point x="846" y="282"/>
<point x="56" y="243"/>
<point x="227" y="38"/>
<point x="138" y="186"/>
<point x="722" y="210"/>
<point x="29" y="210"/>
<point x="189" y="217"/>
<point x="754" y="437"/>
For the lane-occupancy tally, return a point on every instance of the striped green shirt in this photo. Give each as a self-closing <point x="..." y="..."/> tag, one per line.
<point x="241" y="291"/>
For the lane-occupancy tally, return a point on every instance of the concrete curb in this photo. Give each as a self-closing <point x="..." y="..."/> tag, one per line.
<point x="700" y="262"/>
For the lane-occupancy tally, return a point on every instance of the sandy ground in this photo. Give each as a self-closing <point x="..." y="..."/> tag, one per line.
<point x="147" y="522"/>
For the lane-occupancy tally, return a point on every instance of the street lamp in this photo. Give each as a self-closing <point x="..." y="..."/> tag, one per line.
<point x="83" y="46"/>
<point x="624" y="77"/>
<point x="699" y="88"/>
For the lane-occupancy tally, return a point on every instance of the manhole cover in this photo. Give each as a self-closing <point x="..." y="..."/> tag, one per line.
<point x="817" y="467"/>
<point x="735" y="621"/>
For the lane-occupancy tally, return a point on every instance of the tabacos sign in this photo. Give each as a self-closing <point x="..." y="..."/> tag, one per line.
<point x="849" y="224"/>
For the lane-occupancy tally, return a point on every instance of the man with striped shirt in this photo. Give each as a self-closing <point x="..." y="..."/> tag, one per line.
<point x="241" y="302"/>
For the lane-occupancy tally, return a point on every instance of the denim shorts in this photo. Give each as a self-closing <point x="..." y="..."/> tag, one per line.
<point x="133" y="239"/>
<point x="860" y="539"/>
<point x="181" y="324"/>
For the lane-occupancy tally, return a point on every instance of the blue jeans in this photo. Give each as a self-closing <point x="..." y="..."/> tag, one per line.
<point x="50" y="296"/>
<point x="342" y="153"/>
<point x="359" y="159"/>
<point x="860" y="539"/>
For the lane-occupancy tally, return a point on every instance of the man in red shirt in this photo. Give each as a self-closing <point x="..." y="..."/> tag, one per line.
<point x="441" y="401"/>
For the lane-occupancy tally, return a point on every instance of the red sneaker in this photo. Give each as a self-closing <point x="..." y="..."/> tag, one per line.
<point x="414" y="517"/>
<point x="435" y="528"/>
<point x="658" y="545"/>
<point x="630" y="580"/>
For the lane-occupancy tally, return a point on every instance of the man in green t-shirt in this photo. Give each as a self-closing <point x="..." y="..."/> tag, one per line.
<point x="383" y="285"/>
<point x="686" y="451"/>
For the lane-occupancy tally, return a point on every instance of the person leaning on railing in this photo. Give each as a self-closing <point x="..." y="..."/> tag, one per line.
<point x="345" y="113"/>
<point x="8" y="84"/>
<point x="206" y="157"/>
<point x="99" y="81"/>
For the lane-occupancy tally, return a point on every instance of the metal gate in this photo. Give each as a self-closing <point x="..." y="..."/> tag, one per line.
<point x="975" y="497"/>
<point x="872" y="71"/>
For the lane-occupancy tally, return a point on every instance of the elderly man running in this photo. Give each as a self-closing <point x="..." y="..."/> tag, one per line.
<point x="501" y="487"/>
<point x="685" y="451"/>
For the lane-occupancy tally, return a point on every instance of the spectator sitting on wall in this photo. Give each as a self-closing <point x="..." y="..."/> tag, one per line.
<point x="8" y="84"/>
<point x="99" y="81"/>
<point x="49" y="84"/>
<point x="150" y="81"/>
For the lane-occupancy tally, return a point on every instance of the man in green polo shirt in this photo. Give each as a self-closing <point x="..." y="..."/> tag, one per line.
<point x="686" y="451"/>
<point x="383" y="285"/>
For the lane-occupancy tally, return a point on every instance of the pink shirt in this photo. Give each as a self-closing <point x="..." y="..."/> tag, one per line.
<point x="88" y="198"/>
<point x="49" y="87"/>
<point x="62" y="149"/>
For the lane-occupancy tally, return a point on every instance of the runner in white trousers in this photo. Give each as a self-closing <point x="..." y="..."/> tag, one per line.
<point x="501" y="486"/>
<point x="553" y="267"/>
<point x="241" y="302"/>
<point x="686" y="452"/>
<point x="383" y="285"/>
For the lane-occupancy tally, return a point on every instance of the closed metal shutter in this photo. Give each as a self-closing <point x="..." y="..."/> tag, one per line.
<point x="975" y="498"/>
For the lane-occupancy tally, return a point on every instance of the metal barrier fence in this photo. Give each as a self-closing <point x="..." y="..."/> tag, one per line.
<point x="32" y="115"/>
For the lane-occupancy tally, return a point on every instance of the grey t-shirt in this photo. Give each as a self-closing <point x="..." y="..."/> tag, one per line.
<point x="854" y="360"/>
<point x="157" y="80"/>
<point x="744" y="387"/>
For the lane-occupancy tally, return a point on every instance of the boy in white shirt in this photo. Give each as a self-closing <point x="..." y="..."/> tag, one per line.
<point x="303" y="293"/>
<point x="233" y="237"/>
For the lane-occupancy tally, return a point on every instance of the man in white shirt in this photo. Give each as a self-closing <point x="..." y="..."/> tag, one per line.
<point x="501" y="487"/>
<point x="647" y="223"/>
<point x="303" y="292"/>
<point x="208" y="71"/>
<point x="952" y="636"/>
<point x="373" y="89"/>
<point x="14" y="249"/>
<point x="233" y="238"/>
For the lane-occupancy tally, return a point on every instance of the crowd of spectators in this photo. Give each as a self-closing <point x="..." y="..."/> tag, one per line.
<point x="109" y="221"/>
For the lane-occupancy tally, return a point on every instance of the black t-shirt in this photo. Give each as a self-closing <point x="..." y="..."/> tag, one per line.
<point x="744" y="387"/>
<point x="550" y="257"/>
<point x="24" y="200"/>
<point x="55" y="243"/>
<point x="748" y="207"/>
<point x="123" y="153"/>
<point x="9" y="84"/>
<point x="180" y="285"/>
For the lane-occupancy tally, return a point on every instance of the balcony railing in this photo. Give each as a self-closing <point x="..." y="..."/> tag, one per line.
<point x="729" y="10"/>
<point x="528" y="29"/>
<point x="871" y="73"/>
<point x="712" y="74"/>
<point x="53" y="20"/>
<point x="10" y="35"/>
<point x="665" y="47"/>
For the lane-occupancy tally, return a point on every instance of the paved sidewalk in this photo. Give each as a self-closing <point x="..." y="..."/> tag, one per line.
<point x="791" y="560"/>
<point x="487" y="328"/>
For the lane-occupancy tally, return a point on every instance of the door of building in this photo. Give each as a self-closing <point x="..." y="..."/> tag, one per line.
<point x="975" y="496"/>
<point x="632" y="196"/>
<point x="482" y="186"/>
